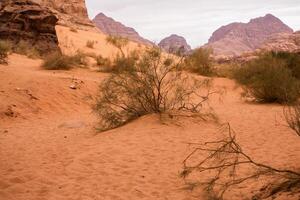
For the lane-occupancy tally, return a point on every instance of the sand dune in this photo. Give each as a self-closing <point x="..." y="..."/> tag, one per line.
<point x="50" y="149"/>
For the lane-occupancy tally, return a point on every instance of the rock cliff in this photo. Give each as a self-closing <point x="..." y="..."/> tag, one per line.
<point x="24" y="20"/>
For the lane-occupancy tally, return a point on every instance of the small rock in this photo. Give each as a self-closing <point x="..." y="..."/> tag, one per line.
<point x="73" y="87"/>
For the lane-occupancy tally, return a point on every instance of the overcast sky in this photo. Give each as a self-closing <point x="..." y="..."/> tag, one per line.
<point x="194" y="19"/>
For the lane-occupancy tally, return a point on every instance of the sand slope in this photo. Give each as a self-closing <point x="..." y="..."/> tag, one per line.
<point x="50" y="150"/>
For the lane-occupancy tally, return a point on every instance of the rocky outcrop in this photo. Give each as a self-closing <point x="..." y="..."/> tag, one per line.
<point x="111" y="27"/>
<point x="289" y="42"/>
<point x="175" y="44"/>
<point x="237" y="38"/>
<point x="70" y="12"/>
<point x="24" y="20"/>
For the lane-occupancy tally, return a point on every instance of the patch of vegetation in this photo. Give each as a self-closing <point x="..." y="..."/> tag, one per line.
<point x="103" y="63"/>
<point x="90" y="44"/>
<point x="273" y="77"/>
<point x="150" y="84"/>
<point x="5" y="48"/>
<point x="25" y="48"/>
<point x="58" y="61"/>
<point x="292" y="117"/>
<point x="118" y="42"/>
<point x="224" y="166"/>
<point x="74" y="30"/>
<point x="200" y="62"/>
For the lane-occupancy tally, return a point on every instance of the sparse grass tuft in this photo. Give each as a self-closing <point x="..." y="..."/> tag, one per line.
<point x="25" y="48"/>
<point x="90" y="44"/>
<point x="74" y="30"/>
<point x="58" y="61"/>
<point x="5" y="47"/>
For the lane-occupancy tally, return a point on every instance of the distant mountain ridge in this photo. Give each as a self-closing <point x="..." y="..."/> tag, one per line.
<point x="175" y="44"/>
<point x="236" y="38"/>
<point x="111" y="27"/>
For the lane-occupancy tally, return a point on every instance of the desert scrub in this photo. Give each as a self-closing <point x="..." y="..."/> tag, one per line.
<point x="104" y="64"/>
<point x="270" y="78"/>
<point x="25" y="48"/>
<point x="118" y="42"/>
<point x="152" y="84"/>
<point x="90" y="44"/>
<point x="200" y="62"/>
<point x="58" y="61"/>
<point x="5" y="48"/>
<point x="74" y="30"/>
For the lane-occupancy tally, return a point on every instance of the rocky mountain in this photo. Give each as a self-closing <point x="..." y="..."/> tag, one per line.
<point x="175" y="44"/>
<point x="111" y="27"/>
<point x="236" y="38"/>
<point x="69" y="12"/>
<point x="24" y="20"/>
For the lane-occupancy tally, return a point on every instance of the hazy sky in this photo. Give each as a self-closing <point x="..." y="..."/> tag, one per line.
<point x="194" y="19"/>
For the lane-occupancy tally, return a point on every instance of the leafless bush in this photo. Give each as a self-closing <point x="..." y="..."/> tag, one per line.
<point x="292" y="117"/>
<point x="152" y="84"/>
<point x="223" y="164"/>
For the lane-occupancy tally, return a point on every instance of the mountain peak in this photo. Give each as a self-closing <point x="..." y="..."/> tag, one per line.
<point x="236" y="38"/>
<point x="111" y="27"/>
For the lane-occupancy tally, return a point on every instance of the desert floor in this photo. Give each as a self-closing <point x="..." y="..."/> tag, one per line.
<point x="50" y="148"/>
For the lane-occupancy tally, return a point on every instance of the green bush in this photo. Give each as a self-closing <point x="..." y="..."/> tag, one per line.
<point x="270" y="78"/>
<point x="200" y="62"/>
<point x="5" y="47"/>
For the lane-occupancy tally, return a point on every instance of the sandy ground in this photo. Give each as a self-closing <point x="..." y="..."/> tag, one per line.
<point x="50" y="149"/>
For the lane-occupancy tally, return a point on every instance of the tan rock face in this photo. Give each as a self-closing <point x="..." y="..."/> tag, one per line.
<point x="237" y="38"/>
<point x="111" y="27"/>
<point x="24" y="20"/>
<point x="69" y="12"/>
<point x="175" y="44"/>
<point x="289" y="42"/>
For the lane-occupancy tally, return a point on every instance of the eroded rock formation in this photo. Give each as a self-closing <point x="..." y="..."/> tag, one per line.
<point x="69" y="12"/>
<point x="24" y="20"/>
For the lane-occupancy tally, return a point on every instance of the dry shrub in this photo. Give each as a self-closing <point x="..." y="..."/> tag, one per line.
<point x="225" y="166"/>
<point x="5" y="48"/>
<point x="151" y="84"/>
<point x="200" y="62"/>
<point x="273" y="77"/>
<point x="25" y="48"/>
<point x="90" y="44"/>
<point x="292" y="117"/>
<point x="74" y="30"/>
<point x="58" y="61"/>
<point x="104" y="64"/>
<point x="118" y="42"/>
